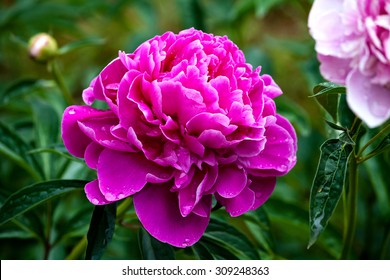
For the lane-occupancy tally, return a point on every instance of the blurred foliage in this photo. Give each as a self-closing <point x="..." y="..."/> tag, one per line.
<point x="272" y="33"/>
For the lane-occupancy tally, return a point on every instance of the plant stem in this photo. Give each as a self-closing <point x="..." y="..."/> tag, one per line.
<point x="59" y="79"/>
<point x="78" y="249"/>
<point x="352" y="207"/>
<point x="372" y="140"/>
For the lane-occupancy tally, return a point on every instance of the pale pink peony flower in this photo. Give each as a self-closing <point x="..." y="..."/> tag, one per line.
<point x="353" y="45"/>
<point x="188" y="119"/>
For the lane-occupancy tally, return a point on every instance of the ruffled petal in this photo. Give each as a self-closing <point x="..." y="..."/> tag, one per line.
<point x="99" y="130"/>
<point x="263" y="188"/>
<point x="92" y="153"/>
<point x="231" y="181"/>
<point x="158" y="211"/>
<point x="278" y="156"/>
<point x="239" y="204"/>
<point x="123" y="174"/>
<point x="74" y="138"/>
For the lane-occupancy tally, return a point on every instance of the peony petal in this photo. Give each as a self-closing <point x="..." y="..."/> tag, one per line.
<point x="231" y="181"/>
<point x="334" y="69"/>
<point x="368" y="101"/>
<point x="94" y="194"/>
<point x="215" y="121"/>
<point x="74" y="138"/>
<point x="239" y="204"/>
<point x="193" y="192"/>
<point x="320" y="7"/>
<point x="158" y="211"/>
<point x="99" y="130"/>
<point x="263" y="188"/>
<point x="92" y="153"/>
<point x="278" y="156"/>
<point x="123" y="174"/>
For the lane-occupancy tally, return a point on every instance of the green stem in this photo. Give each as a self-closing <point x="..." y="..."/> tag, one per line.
<point x="59" y="79"/>
<point x="352" y="208"/>
<point x="78" y="250"/>
<point x="372" y="140"/>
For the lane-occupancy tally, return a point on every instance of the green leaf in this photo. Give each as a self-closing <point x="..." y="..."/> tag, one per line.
<point x="327" y="95"/>
<point x="34" y="195"/>
<point x="224" y="235"/>
<point x="152" y="249"/>
<point x="335" y="126"/>
<point x="328" y="88"/>
<point x="46" y="128"/>
<point x="207" y="249"/>
<point x="259" y="224"/>
<point x="80" y="44"/>
<point x="15" y="149"/>
<point x="345" y="116"/>
<point x="101" y="230"/>
<point x="327" y="185"/>
<point x="202" y="252"/>
<point x="192" y="14"/>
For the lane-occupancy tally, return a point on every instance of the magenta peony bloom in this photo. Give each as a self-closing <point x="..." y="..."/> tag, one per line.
<point x="353" y="46"/>
<point x="187" y="119"/>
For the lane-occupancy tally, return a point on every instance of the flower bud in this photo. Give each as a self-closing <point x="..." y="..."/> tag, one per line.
<point x="42" y="47"/>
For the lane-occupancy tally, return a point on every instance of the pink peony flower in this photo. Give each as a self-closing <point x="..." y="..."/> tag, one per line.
<point x="188" y="119"/>
<point x="353" y="45"/>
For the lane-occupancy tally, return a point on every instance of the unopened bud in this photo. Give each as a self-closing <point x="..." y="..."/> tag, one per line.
<point x="42" y="47"/>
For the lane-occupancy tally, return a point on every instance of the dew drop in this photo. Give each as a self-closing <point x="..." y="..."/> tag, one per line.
<point x="72" y="112"/>
<point x="95" y="201"/>
<point x="186" y="242"/>
<point x="258" y="195"/>
<point x="109" y="196"/>
<point x="121" y="196"/>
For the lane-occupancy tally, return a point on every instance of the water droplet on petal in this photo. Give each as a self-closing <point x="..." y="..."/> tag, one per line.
<point x="186" y="242"/>
<point x="121" y="196"/>
<point x="95" y="201"/>
<point x="258" y="195"/>
<point x="72" y="112"/>
<point x="109" y="196"/>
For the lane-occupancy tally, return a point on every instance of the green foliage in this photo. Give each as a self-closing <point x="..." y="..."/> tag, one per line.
<point x="101" y="230"/>
<point x="31" y="196"/>
<point x="328" y="184"/>
<point x="152" y="249"/>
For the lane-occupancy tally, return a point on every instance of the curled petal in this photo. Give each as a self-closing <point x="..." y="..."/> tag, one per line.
<point x="123" y="174"/>
<point x="263" y="188"/>
<point x="158" y="211"/>
<point x="74" y="138"/>
<point x="239" y="204"/>
<point x="99" y="130"/>
<point x="231" y="181"/>
<point x="92" y="153"/>
<point x="94" y="194"/>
